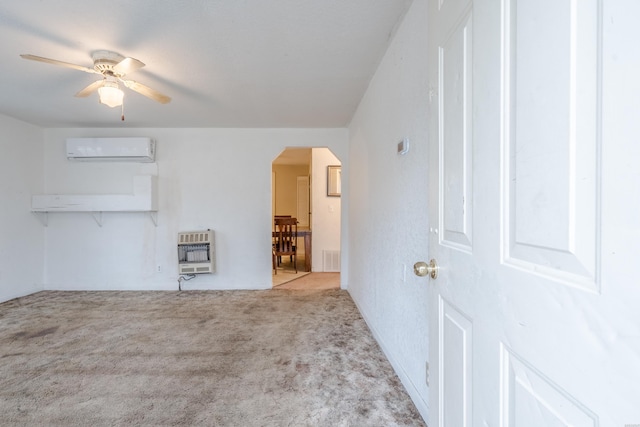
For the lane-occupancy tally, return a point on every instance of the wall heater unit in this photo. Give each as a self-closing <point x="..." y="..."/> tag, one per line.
<point x="196" y="252"/>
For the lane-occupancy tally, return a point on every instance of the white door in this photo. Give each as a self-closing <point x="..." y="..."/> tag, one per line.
<point x="534" y="213"/>
<point x="273" y="194"/>
<point x="302" y="200"/>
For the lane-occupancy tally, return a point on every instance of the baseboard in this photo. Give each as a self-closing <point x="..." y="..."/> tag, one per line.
<point x="416" y="397"/>
<point x="7" y="296"/>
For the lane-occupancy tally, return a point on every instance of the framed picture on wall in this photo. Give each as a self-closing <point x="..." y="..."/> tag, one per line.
<point x="334" y="180"/>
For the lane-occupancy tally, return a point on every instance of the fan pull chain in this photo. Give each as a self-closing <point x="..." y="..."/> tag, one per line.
<point x="122" y="110"/>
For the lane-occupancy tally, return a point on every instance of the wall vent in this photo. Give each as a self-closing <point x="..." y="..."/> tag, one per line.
<point x="331" y="261"/>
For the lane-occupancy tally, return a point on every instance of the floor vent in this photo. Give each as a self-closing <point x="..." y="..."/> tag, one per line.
<point x="331" y="261"/>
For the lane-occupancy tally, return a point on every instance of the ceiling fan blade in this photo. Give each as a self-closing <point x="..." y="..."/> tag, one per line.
<point x="127" y="66"/>
<point x="61" y="63"/>
<point x="90" y="89"/>
<point x="146" y="91"/>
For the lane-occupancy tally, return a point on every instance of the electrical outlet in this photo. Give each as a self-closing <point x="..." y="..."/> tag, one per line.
<point x="159" y="268"/>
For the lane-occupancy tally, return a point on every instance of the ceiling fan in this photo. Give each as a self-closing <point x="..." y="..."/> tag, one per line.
<point x="113" y="67"/>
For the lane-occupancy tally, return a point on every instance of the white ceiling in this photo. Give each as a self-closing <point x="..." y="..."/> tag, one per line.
<point x="225" y="63"/>
<point x="294" y="156"/>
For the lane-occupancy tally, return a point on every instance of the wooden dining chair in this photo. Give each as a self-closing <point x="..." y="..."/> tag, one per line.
<point x="278" y="259"/>
<point x="285" y="241"/>
<point x="274" y="261"/>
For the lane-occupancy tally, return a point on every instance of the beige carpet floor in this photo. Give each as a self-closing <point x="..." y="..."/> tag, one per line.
<point x="284" y="277"/>
<point x="286" y="271"/>
<point x="317" y="281"/>
<point x="191" y="358"/>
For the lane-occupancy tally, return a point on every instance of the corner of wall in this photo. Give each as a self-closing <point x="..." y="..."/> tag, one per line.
<point x="21" y="235"/>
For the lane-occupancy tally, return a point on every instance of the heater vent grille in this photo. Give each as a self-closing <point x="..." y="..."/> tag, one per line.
<point x="196" y="252"/>
<point x="331" y="261"/>
<point x="195" y="237"/>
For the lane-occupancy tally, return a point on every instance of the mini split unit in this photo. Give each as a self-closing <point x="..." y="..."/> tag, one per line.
<point x="136" y="149"/>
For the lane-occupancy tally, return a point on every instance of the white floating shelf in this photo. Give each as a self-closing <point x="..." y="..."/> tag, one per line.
<point x="143" y="199"/>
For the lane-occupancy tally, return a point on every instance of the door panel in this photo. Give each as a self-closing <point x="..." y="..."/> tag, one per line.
<point x="302" y="201"/>
<point x="534" y="212"/>
<point x="273" y="194"/>
<point x="552" y="139"/>
<point x="451" y="173"/>
<point x="455" y="336"/>
<point x="454" y="85"/>
<point x="530" y="399"/>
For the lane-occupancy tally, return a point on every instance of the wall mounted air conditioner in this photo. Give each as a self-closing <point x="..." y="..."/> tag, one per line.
<point x="134" y="149"/>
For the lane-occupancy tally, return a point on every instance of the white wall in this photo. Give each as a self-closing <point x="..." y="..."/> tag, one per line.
<point x="286" y="187"/>
<point x="207" y="178"/>
<point x="21" y="235"/>
<point x="388" y="222"/>
<point x="326" y="210"/>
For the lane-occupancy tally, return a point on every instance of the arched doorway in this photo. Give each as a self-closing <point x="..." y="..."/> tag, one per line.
<point x="300" y="189"/>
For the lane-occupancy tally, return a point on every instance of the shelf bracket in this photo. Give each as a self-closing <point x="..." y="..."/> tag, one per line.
<point x="43" y="217"/>
<point x="154" y="217"/>
<point x="98" y="217"/>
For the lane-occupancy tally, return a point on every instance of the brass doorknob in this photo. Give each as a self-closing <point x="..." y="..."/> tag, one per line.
<point x="422" y="269"/>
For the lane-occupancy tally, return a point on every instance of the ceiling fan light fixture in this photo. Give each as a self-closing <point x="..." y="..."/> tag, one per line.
<point x="110" y="94"/>
<point x="112" y="67"/>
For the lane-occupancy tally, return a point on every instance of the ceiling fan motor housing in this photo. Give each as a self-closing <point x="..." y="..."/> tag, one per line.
<point x="104" y="61"/>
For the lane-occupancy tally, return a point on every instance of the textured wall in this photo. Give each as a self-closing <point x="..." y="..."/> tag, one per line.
<point x="21" y="235"/>
<point x="207" y="178"/>
<point x="388" y="222"/>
